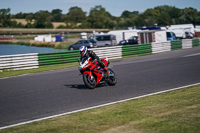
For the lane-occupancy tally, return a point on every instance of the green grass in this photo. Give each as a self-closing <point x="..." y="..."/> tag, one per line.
<point x="56" y="45"/>
<point x="28" y="37"/>
<point x="136" y="55"/>
<point x="172" y="112"/>
<point x="41" y="69"/>
<point x="7" y="73"/>
<point x="63" y="45"/>
<point x="25" y="37"/>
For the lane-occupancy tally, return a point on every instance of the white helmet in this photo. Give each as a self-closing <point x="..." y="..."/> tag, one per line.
<point x="83" y="50"/>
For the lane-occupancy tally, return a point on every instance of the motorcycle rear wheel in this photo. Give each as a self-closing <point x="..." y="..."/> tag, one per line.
<point x="89" y="81"/>
<point x="111" y="79"/>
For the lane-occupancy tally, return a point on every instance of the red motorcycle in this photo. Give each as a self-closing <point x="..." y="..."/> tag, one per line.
<point x="93" y="74"/>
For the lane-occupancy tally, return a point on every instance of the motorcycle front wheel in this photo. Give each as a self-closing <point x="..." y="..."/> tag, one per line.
<point x="89" y="81"/>
<point x="111" y="78"/>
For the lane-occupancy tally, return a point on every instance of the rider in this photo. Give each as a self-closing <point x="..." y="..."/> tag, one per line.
<point x="89" y="53"/>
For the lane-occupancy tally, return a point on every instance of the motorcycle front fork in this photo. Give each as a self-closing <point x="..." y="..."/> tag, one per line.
<point x="92" y="77"/>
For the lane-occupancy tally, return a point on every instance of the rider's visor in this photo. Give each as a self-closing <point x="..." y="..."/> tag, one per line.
<point x="82" y="53"/>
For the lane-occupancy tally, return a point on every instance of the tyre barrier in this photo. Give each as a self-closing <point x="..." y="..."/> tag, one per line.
<point x="35" y="60"/>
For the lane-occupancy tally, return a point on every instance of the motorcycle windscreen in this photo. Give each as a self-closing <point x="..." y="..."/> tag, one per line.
<point x="84" y="59"/>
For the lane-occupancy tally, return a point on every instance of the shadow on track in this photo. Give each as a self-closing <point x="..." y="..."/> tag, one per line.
<point x="83" y="87"/>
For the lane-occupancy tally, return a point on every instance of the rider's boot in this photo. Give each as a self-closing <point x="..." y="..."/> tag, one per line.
<point x="106" y="70"/>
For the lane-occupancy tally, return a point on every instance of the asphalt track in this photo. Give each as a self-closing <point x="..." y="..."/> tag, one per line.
<point x="34" y="96"/>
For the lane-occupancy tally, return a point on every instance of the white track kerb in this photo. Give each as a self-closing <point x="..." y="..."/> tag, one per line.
<point x="67" y="113"/>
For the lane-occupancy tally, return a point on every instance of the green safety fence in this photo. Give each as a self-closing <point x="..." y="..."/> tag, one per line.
<point x="140" y="49"/>
<point x="29" y="61"/>
<point x="127" y="50"/>
<point x="195" y="42"/>
<point x="175" y="45"/>
<point x="58" y="58"/>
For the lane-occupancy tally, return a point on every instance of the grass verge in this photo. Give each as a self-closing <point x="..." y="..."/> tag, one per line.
<point x="41" y="69"/>
<point x="57" y="45"/>
<point x="172" y="112"/>
<point x="51" y="67"/>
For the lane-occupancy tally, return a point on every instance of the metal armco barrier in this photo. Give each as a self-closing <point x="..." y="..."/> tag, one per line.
<point x="29" y="61"/>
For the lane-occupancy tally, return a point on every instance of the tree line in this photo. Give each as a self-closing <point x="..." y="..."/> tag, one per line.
<point x="98" y="17"/>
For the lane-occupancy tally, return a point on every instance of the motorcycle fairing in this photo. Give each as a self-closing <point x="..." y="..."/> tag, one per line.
<point x="99" y="74"/>
<point x="88" y="72"/>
